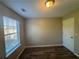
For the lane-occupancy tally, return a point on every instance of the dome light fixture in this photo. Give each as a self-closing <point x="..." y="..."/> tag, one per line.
<point x="49" y="3"/>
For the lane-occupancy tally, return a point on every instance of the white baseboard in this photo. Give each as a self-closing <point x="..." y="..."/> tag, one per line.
<point x="76" y="54"/>
<point x="43" y="45"/>
<point x="72" y="52"/>
<point x="20" y="53"/>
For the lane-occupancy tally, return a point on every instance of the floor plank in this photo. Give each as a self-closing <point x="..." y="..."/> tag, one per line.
<point x="57" y="52"/>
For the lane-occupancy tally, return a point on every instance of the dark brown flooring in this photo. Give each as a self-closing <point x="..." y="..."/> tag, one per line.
<point x="47" y="53"/>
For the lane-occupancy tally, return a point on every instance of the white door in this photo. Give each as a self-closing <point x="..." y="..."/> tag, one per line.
<point x="68" y="33"/>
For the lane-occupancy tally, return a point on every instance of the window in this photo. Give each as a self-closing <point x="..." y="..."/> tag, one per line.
<point x="11" y="34"/>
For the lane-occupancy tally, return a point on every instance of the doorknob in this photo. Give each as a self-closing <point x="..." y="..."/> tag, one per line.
<point x="71" y="37"/>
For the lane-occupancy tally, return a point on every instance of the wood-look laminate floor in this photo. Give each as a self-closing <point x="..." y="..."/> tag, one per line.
<point x="58" y="52"/>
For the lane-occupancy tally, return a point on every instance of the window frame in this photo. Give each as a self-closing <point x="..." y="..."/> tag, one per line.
<point x="17" y="33"/>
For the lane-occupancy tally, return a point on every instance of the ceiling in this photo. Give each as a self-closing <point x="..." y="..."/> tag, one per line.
<point x="37" y="8"/>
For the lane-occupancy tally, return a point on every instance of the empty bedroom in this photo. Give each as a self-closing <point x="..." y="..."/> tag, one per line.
<point x="39" y="29"/>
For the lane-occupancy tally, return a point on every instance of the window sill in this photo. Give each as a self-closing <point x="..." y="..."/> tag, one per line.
<point x="8" y="54"/>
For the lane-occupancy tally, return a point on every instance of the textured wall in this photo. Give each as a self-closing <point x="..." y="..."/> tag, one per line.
<point x="43" y="31"/>
<point x="4" y="11"/>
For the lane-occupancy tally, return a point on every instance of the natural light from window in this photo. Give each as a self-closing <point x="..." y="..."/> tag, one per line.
<point x="11" y="34"/>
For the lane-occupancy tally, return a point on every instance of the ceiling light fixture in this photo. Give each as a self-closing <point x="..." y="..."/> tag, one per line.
<point x="49" y="3"/>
